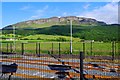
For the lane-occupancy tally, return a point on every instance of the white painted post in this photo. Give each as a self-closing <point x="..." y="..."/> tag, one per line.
<point x="71" y="36"/>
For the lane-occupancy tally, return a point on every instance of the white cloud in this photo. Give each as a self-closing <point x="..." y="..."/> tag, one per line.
<point x="115" y="0"/>
<point x="39" y="12"/>
<point x="107" y="13"/>
<point x="34" y="17"/>
<point x="69" y="13"/>
<point x="65" y="14"/>
<point x="25" y="8"/>
<point x="86" y="6"/>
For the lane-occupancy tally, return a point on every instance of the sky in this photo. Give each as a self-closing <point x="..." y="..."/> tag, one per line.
<point x="59" y="0"/>
<point x="14" y="12"/>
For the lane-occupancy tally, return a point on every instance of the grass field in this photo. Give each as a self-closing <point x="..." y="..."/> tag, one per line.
<point x="41" y="37"/>
<point x="97" y="48"/>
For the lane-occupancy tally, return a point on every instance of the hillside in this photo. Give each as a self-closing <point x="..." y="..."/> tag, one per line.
<point x="47" y="22"/>
<point x="83" y="28"/>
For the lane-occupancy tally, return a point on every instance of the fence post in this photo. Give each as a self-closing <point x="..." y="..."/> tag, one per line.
<point x="113" y="50"/>
<point x="11" y="47"/>
<point x="91" y="47"/>
<point x="52" y="48"/>
<point x="7" y="47"/>
<point x="84" y="47"/>
<point x="81" y="65"/>
<point x="59" y="50"/>
<point x="39" y="49"/>
<point x="22" y="48"/>
<point x="71" y="48"/>
<point x="36" y="49"/>
<point x="48" y="52"/>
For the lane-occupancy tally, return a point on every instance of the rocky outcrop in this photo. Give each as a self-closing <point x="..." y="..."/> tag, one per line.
<point x="81" y="20"/>
<point x="55" y="21"/>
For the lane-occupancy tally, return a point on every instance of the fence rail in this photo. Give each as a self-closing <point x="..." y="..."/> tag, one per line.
<point x="89" y="48"/>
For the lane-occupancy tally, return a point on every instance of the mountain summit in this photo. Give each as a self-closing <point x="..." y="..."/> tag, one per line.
<point x="78" y="20"/>
<point x="47" y="22"/>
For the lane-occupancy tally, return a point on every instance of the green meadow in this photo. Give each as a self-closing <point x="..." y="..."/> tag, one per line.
<point x="96" y="48"/>
<point x="59" y="35"/>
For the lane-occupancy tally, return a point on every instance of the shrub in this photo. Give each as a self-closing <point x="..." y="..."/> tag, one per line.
<point x="61" y="39"/>
<point x="38" y="38"/>
<point x="25" y="39"/>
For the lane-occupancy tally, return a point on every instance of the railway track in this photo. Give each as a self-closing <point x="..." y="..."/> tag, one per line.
<point x="40" y="65"/>
<point x="46" y="62"/>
